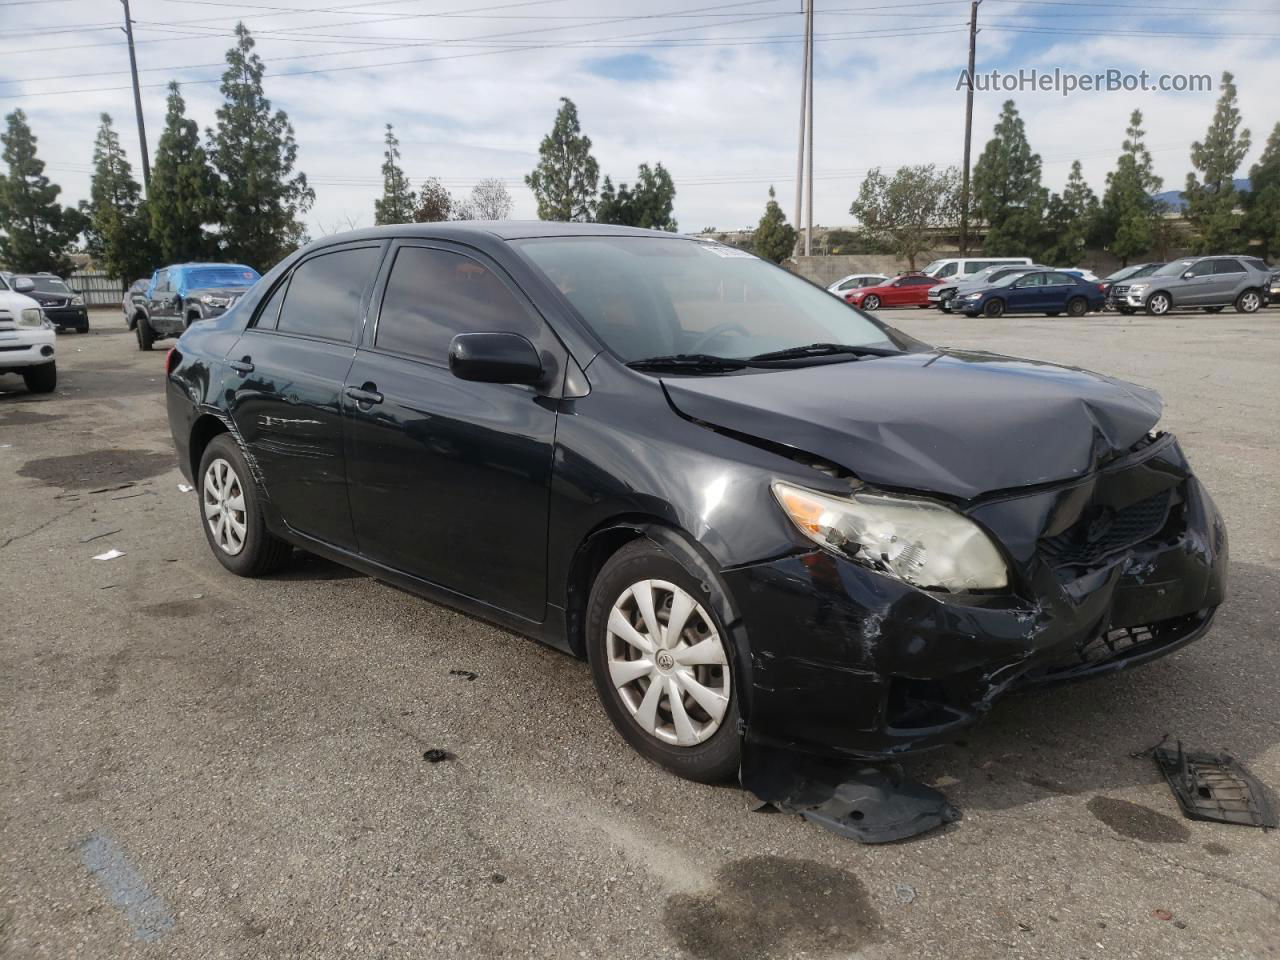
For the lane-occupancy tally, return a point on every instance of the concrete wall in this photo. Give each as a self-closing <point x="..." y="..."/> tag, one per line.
<point x="827" y="270"/>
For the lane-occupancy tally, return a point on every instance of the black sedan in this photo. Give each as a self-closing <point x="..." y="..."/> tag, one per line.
<point x="764" y="517"/>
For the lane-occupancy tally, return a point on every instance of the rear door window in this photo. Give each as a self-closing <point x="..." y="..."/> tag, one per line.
<point x="1227" y="265"/>
<point x="1062" y="279"/>
<point x="433" y="295"/>
<point x="325" y="294"/>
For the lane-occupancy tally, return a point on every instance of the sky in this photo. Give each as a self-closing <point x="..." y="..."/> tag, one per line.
<point x="709" y="88"/>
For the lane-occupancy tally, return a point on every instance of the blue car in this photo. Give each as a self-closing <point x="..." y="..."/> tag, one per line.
<point x="1050" y="292"/>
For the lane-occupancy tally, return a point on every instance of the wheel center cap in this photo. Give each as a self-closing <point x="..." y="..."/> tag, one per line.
<point x="665" y="660"/>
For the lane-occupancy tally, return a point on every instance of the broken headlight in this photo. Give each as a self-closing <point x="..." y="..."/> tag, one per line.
<point x="921" y="542"/>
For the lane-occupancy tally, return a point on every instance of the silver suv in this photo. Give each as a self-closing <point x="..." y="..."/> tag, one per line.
<point x="1209" y="283"/>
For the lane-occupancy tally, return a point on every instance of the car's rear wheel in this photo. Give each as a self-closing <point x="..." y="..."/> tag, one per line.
<point x="1077" y="307"/>
<point x="42" y="378"/>
<point x="871" y="302"/>
<point x="231" y="512"/>
<point x="993" y="308"/>
<point x="146" y="336"/>
<point x="1158" y="304"/>
<point x="662" y="663"/>
<point x="1248" y="302"/>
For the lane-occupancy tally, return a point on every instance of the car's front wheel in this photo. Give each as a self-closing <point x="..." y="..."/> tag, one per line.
<point x="871" y="302"/>
<point x="1159" y="304"/>
<point x="1248" y="302"/>
<point x="662" y="663"/>
<point x="42" y="378"/>
<point x="994" y="308"/>
<point x="146" y="336"/>
<point x="231" y="512"/>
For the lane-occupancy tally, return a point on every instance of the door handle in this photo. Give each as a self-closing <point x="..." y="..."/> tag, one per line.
<point x="366" y="394"/>
<point x="241" y="366"/>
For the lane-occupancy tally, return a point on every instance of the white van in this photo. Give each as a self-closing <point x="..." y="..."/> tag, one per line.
<point x="963" y="266"/>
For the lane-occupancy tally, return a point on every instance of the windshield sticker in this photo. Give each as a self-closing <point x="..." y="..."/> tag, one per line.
<point x="724" y="250"/>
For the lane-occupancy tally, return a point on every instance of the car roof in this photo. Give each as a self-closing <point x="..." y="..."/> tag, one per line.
<point x="502" y="229"/>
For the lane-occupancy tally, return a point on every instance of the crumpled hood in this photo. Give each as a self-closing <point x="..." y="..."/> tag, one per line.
<point x="954" y="423"/>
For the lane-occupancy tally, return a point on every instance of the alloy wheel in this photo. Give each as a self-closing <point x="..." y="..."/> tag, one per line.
<point x="224" y="508"/>
<point x="872" y="302"/>
<point x="1159" y="304"/>
<point x="1249" y="302"/>
<point x="668" y="663"/>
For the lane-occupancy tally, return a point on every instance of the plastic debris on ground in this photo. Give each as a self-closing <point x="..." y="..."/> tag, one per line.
<point x="1214" y="787"/>
<point x="465" y="674"/>
<point x="867" y="802"/>
<point x="110" y="554"/>
<point x="185" y="488"/>
<point x="436" y="755"/>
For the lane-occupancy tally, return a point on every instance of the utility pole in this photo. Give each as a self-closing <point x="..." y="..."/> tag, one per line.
<point x="968" y="131"/>
<point x="808" y="214"/>
<point x="137" y="100"/>
<point x="798" y="209"/>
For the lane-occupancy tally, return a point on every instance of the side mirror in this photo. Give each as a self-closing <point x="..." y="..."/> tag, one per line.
<point x="494" y="358"/>
<point x="24" y="285"/>
<point x="1188" y="275"/>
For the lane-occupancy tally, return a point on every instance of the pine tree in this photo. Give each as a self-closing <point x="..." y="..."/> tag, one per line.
<point x="1263" y="201"/>
<point x="184" y="189"/>
<point x="1212" y="198"/>
<point x="1007" y="191"/>
<point x="36" y="232"/>
<point x="398" y="200"/>
<point x="648" y="205"/>
<point x="260" y="196"/>
<point x="774" y="238"/>
<point x="117" y="233"/>
<point x="1130" y="218"/>
<point x="565" y="179"/>
<point x="1071" y="219"/>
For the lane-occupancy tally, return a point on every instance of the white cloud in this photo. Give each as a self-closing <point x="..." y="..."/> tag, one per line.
<point x="722" y="118"/>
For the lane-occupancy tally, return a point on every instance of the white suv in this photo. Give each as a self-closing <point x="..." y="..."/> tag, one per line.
<point x="26" y="342"/>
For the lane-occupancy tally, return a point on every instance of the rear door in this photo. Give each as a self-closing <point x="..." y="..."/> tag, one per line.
<point x="1228" y="274"/>
<point x="1057" y="290"/>
<point x="450" y="479"/>
<point x="286" y="377"/>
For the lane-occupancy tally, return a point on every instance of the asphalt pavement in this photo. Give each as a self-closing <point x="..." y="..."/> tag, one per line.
<point x="194" y="765"/>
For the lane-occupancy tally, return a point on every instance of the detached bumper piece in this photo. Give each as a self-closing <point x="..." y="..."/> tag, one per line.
<point x="1215" y="787"/>
<point x="870" y="803"/>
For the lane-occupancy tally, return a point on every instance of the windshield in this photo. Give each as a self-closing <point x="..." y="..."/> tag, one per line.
<point x="1124" y="273"/>
<point x="1173" y="269"/>
<point x="221" y="277"/>
<point x="935" y="266"/>
<point x="651" y="297"/>
<point x="45" y="284"/>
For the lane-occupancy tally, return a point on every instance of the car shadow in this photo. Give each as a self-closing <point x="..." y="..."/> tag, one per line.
<point x="1216" y="694"/>
<point x="307" y="567"/>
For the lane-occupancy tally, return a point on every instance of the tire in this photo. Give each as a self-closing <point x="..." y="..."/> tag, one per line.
<point x="715" y="753"/>
<point x="871" y="303"/>
<point x="1248" y="302"/>
<point x="258" y="550"/>
<point x="1077" y="307"/>
<point x="146" y="336"/>
<point x="993" y="308"/>
<point x="1212" y="309"/>
<point x="1158" y="304"/>
<point x="42" y="378"/>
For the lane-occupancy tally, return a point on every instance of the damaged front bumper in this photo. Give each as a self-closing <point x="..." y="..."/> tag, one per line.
<point x="1106" y="572"/>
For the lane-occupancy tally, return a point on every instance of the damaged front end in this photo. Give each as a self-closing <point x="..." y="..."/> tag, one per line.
<point x="1106" y="571"/>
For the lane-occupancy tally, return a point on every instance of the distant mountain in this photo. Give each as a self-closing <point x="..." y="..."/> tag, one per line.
<point x="1175" y="201"/>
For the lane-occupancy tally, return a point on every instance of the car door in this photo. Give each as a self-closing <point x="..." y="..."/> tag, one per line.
<point x="1026" y="294"/>
<point x="160" y="306"/>
<point x="1058" y="288"/>
<point x="1196" y="287"/>
<point x="450" y="479"/>
<point x="285" y="380"/>
<point x="1228" y="274"/>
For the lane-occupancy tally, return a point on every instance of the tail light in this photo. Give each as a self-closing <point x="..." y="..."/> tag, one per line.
<point x="171" y="360"/>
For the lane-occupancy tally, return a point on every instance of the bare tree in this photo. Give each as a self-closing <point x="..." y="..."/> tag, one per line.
<point x="489" y="201"/>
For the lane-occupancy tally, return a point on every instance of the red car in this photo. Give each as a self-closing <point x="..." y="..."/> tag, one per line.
<point x="908" y="290"/>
